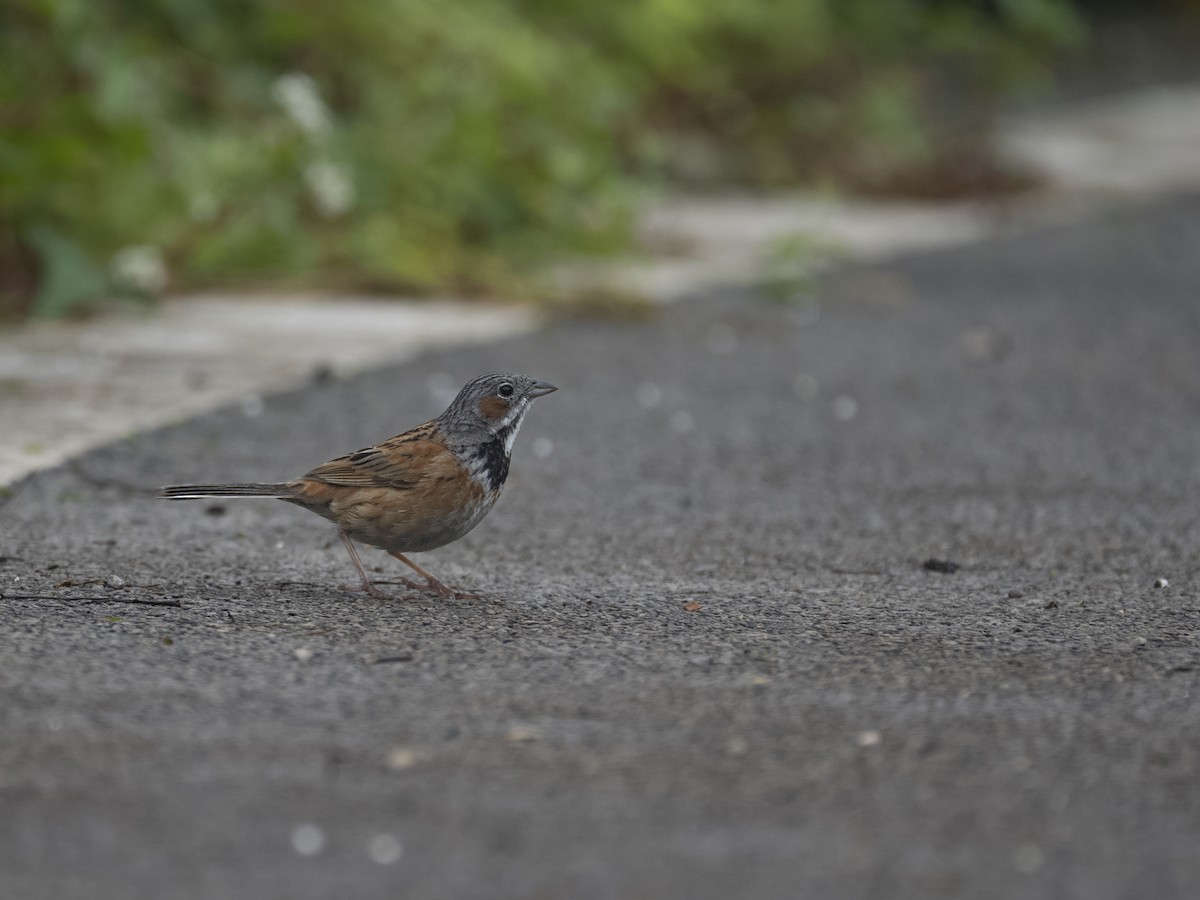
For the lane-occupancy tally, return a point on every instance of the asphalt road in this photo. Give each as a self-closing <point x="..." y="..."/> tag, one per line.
<point x="710" y="663"/>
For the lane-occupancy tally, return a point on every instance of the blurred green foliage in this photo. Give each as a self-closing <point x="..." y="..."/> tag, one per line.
<point x="417" y="144"/>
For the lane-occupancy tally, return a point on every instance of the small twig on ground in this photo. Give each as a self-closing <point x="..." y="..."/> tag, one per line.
<point x="144" y="601"/>
<point x="313" y="584"/>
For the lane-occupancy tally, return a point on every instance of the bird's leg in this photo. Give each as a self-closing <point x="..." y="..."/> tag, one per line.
<point x="433" y="583"/>
<point x="367" y="585"/>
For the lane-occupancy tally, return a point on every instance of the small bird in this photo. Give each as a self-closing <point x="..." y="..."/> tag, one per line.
<point x="416" y="491"/>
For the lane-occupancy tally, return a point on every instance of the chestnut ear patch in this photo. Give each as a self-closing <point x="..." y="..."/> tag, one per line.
<point x="493" y="408"/>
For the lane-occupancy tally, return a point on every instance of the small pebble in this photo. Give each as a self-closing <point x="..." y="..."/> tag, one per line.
<point x="869" y="738"/>
<point x="1015" y="595"/>
<point x="402" y="758"/>
<point x="114" y="581"/>
<point x="521" y="734"/>
<point x="303" y="654"/>
<point x="1161" y="582"/>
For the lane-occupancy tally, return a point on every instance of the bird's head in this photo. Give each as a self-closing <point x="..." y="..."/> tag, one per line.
<point x="493" y="406"/>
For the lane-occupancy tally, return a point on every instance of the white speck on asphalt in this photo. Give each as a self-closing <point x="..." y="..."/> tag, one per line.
<point x="385" y="849"/>
<point x="303" y="654"/>
<point x="402" y="758"/>
<point x="845" y="408"/>
<point x="1161" y="582"/>
<point x="868" y="738"/>
<point x="649" y="395"/>
<point x="308" y="839"/>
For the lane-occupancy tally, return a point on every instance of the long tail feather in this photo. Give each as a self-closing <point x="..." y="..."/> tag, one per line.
<point x="201" y="491"/>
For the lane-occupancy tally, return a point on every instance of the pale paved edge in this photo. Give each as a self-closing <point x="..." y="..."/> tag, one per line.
<point x="66" y="387"/>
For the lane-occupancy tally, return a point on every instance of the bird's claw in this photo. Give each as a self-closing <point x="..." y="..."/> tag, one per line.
<point x="448" y="591"/>
<point x="369" y="589"/>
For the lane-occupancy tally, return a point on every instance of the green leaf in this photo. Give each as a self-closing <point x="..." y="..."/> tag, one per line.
<point x="70" y="280"/>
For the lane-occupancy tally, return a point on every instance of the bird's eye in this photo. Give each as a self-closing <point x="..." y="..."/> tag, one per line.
<point x="505" y="390"/>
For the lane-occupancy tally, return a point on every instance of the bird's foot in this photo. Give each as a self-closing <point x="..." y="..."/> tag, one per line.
<point x="448" y="591"/>
<point x="369" y="588"/>
<point x="433" y="587"/>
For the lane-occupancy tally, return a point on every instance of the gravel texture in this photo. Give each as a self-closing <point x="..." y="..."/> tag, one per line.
<point x="711" y="661"/>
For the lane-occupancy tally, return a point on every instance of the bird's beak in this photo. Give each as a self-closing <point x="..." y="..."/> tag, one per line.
<point x="540" y="389"/>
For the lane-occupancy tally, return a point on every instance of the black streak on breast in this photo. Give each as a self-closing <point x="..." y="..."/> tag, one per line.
<point x="495" y="461"/>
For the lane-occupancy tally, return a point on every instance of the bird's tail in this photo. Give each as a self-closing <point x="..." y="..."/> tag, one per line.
<point x="201" y="491"/>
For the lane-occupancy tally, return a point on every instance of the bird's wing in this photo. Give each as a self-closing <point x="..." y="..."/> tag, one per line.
<point x="401" y="462"/>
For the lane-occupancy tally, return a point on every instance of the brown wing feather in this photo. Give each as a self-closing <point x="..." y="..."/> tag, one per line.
<point x="400" y="462"/>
